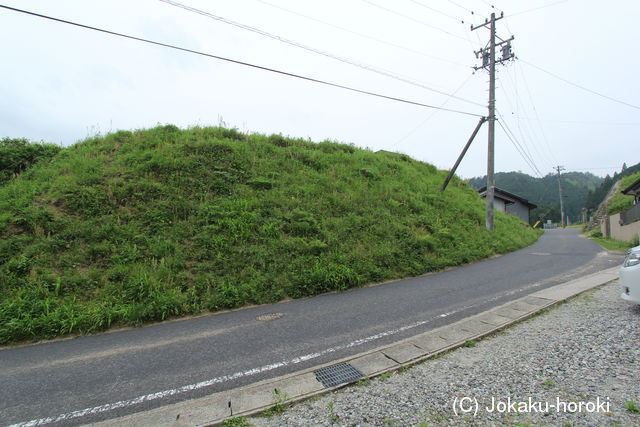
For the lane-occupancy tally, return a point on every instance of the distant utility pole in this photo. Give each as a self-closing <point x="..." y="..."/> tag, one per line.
<point x="560" y="169"/>
<point x="489" y="60"/>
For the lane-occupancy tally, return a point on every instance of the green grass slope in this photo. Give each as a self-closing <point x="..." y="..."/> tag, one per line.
<point x="146" y="225"/>
<point x="621" y="202"/>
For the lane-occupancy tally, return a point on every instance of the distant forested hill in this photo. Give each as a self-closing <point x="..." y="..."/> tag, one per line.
<point x="543" y="192"/>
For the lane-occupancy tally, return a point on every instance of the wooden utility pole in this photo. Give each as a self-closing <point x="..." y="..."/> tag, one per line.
<point x="562" y="220"/>
<point x="489" y="61"/>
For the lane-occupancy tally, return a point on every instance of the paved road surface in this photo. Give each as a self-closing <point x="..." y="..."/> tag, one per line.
<point x="93" y="378"/>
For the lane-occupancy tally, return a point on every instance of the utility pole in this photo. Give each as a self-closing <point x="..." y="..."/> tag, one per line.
<point x="559" y="169"/>
<point x="464" y="151"/>
<point x="489" y="60"/>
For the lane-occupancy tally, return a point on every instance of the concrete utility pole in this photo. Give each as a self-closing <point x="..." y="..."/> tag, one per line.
<point x="489" y="60"/>
<point x="559" y="169"/>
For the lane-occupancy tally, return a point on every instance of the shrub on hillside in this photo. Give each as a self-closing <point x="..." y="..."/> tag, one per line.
<point x="18" y="154"/>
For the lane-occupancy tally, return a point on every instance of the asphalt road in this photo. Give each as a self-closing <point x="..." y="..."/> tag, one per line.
<point x="87" y="379"/>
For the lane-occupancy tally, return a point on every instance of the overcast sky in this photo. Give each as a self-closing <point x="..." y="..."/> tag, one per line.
<point x="61" y="83"/>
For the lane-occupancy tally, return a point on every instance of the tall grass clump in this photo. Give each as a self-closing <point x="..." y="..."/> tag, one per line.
<point x="147" y="225"/>
<point x="621" y="202"/>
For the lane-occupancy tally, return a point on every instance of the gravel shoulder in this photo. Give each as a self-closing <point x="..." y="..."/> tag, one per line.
<point x="576" y="364"/>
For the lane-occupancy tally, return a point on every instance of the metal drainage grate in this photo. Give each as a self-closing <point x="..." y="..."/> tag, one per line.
<point x="341" y="373"/>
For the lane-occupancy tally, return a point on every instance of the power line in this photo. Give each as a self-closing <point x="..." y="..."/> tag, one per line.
<point x="435" y="10"/>
<point x="417" y="21"/>
<point x="234" y="61"/>
<point x="312" y="49"/>
<point x="527" y="157"/>
<point x="544" y="135"/>
<point x="522" y="145"/>
<point x="519" y="149"/>
<point x="538" y="8"/>
<point x="458" y="4"/>
<point x="580" y="86"/>
<point x="593" y="169"/>
<point x="582" y="122"/>
<point x="526" y="133"/>
<point x="366" y="36"/>
<point x="530" y="133"/>
<point x="466" y="8"/>
<point x="430" y="116"/>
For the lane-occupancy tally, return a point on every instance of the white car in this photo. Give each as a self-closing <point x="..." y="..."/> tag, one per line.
<point x="630" y="276"/>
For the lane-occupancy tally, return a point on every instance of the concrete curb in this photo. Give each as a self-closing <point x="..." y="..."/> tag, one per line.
<point x="255" y="398"/>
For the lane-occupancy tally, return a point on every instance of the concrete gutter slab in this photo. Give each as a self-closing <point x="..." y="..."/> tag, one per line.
<point x="373" y="363"/>
<point x="248" y="400"/>
<point x="403" y="353"/>
<point x="430" y="342"/>
<point x="510" y="312"/>
<point x="494" y="319"/>
<point x="476" y="327"/>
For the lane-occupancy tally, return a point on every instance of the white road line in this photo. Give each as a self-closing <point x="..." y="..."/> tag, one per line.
<point x="225" y="378"/>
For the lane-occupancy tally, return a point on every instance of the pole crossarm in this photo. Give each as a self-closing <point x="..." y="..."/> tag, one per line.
<point x="488" y="21"/>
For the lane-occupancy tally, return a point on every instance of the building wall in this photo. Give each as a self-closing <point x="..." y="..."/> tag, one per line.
<point x="498" y="205"/>
<point x="620" y="232"/>
<point x="520" y="210"/>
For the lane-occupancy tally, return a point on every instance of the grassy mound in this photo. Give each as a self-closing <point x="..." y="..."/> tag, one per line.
<point x="621" y="202"/>
<point x="141" y="226"/>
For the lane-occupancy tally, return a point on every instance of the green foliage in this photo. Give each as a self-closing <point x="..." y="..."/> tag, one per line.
<point x="333" y="417"/>
<point x="18" y="154"/>
<point x="632" y="407"/>
<point x="147" y="225"/>
<point x="597" y="195"/>
<point x="611" y="244"/>
<point x="236" y="422"/>
<point x="621" y="202"/>
<point x="279" y="397"/>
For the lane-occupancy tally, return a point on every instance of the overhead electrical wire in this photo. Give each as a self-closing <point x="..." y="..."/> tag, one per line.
<point x="535" y="110"/>
<point x="417" y="21"/>
<point x="538" y="8"/>
<point x="234" y="61"/>
<point x="580" y="86"/>
<point x="528" y="139"/>
<point x="376" y="70"/>
<point x="430" y="116"/>
<point x="511" y="136"/>
<point x="366" y="36"/>
<point x="582" y="122"/>
<point x="525" y="152"/>
<point x="466" y="8"/>
<point x="593" y="169"/>
<point x="517" y="147"/>
<point x="458" y="4"/>
<point x="435" y="10"/>
<point x="549" y="153"/>
<point x="526" y="131"/>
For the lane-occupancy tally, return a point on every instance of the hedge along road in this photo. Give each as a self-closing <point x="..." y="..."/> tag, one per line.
<point x="83" y="380"/>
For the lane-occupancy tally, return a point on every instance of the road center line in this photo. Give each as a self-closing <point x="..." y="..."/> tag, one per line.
<point x="225" y="378"/>
<point x="250" y="372"/>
